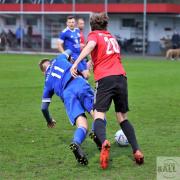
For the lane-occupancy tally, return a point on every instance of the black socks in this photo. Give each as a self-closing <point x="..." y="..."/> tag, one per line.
<point x="130" y="134"/>
<point x="100" y="129"/>
<point x="100" y="132"/>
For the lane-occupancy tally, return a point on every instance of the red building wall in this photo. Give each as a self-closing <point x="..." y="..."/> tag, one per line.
<point x="112" y="8"/>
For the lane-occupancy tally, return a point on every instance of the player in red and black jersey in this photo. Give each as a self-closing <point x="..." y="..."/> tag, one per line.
<point x="80" y="25"/>
<point x="111" y="84"/>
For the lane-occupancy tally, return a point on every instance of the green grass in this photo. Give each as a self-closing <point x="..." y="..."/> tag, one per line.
<point x="29" y="150"/>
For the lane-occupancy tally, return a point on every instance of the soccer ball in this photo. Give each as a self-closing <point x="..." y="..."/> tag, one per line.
<point x="120" y="138"/>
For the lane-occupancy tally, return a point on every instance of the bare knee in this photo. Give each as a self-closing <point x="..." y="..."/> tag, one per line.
<point x="121" y="116"/>
<point x="99" y="115"/>
<point x="81" y="121"/>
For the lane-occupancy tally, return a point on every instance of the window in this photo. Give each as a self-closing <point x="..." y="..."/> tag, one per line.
<point x="10" y="21"/>
<point x="31" y="21"/>
<point x="128" y="23"/>
<point x="168" y="29"/>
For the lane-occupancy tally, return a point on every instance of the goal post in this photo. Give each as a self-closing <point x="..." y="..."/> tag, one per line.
<point x="45" y="29"/>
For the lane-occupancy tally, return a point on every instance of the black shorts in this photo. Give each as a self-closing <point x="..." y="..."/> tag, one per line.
<point x="111" y="88"/>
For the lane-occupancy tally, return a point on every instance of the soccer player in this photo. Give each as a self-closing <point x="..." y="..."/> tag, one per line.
<point x="75" y="93"/>
<point x="69" y="38"/>
<point x="111" y="84"/>
<point x="80" y="25"/>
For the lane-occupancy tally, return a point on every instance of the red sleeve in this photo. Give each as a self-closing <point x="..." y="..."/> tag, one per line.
<point x="92" y="37"/>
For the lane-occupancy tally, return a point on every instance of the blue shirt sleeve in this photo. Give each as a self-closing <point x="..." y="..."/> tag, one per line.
<point x="46" y="99"/>
<point x="62" y="36"/>
<point x="67" y="53"/>
<point x="47" y="94"/>
<point x="45" y="111"/>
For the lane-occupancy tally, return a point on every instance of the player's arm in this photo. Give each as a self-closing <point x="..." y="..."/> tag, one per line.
<point x="45" y="111"/>
<point x="60" y="46"/>
<point x="67" y="53"/>
<point x="86" y="51"/>
<point x="60" y="42"/>
<point x="50" y="121"/>
<point x="46" y="100"/>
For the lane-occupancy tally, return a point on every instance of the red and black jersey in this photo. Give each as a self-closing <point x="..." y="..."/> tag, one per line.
<point x="106" y="55"/>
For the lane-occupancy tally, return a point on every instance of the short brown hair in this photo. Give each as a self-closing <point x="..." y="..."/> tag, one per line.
<point x="41" y="62"/>
<point x="70" y="17"/>
<point x="99" y="21"/>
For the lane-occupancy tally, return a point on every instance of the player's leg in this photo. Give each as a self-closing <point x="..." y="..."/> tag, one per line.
<point x="99" y="125"/>
<point x="121" y="108"/>
<point x="81" y="131"/>
<point x="79" y="136"/>
<point x="77" y="117"/>
<point x="102" y="102"/>
<point x="93" y="136"/>
<point x="129" y="131"/>
<point x="100" y="132"/>
<point x="86" y="96"/>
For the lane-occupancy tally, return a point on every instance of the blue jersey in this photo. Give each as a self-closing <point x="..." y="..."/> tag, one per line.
<point x="56" y="77"/>
<point x="71" y="40"/>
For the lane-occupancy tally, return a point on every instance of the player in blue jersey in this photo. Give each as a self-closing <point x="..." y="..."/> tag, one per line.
<point x="76" y="94"/>
<point x="69" y="38"/>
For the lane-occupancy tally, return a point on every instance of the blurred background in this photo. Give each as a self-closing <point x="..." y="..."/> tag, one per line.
<point x="140" y="26"/>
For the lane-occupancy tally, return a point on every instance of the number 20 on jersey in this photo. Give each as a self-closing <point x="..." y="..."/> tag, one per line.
<point x="112" y="45"/>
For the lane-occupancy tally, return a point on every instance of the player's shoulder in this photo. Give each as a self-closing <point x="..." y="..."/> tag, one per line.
<point x="61" y="59"/>
<point x="103" y="33"/>
<point x="96" y="33"/>
<point x="93" y="33"/>
<point x="65" y="30"/>
<point x="77" y="29"/>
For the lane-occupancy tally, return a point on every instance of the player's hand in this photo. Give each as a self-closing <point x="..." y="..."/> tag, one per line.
<point x="74" y="70"/>
<point x="51" y="124"/>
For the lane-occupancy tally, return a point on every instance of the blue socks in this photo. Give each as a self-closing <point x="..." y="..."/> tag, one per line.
<point x="81" y="132"/>
<point x="80" y="135"/>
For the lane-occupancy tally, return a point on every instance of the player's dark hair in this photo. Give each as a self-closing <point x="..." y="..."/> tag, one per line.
<point x="41" y="62"/>
<point x="99" y="21"/>
<point x="70" y="17"/>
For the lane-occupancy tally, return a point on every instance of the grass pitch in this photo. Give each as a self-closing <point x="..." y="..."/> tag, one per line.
<point x="29" y="150"/>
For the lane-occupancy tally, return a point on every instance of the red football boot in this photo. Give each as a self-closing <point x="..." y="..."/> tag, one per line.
<point x="139" y="157"/>
<point x="104" y="155"/>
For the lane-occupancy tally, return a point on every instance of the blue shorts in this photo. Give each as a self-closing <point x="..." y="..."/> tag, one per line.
<point x="82" y="65"/>
<point x="78" y="98"/>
